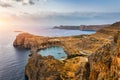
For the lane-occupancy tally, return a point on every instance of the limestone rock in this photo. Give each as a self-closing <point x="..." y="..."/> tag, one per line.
<point x="43" y="68"/>
<point x="21" y="41"/>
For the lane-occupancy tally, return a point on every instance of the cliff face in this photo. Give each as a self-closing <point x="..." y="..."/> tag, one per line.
<point x="43" y="68"/>
<point x="21" y="39"/>
<point x="34" y="43"/>
<point x="104" y="63"/>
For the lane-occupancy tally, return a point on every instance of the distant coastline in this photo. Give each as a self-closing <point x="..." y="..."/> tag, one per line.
<point x="82" y="27"/>
<point x="18" y="31"/>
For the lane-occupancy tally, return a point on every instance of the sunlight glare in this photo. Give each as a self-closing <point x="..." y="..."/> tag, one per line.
<point x="5" y="21"/>
<point x="2" y="23"/>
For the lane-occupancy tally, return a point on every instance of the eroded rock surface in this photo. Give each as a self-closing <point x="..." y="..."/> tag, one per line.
<point x="48" y="68"/>
<point x="43" y="68"/>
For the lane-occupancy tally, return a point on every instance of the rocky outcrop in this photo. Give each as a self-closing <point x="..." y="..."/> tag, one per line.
<point x="34" y="43"/>
<point x="100" y="63"/>
<point x="43" y="68"/>
<point x="48" y="68"/>
<point x="104" y="63"/>
<point x="21" y="40"/>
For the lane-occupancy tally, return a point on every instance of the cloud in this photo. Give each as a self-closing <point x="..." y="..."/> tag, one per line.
<point x="9" y="3"/>
<point x="3" y="4"/>
<point x="73" y="18"/>
<point x="27" y="1"/>
<point x="24" y="1"/>
<point x="56" y="18"/>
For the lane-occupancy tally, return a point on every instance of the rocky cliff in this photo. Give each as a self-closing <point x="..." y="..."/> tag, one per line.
<point x="33" y="42"/>
<point x="29" y="41"/>
<point x="43" y="68"/>
<point x="21" y="39"/>
<point x="103" y="64"/>
<point x="100" y="59"/>
<point x="48" y="68"/>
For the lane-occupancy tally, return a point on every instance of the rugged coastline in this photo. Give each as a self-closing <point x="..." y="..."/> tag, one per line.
<point x="82" y="27"/>
<point x="90" y="57"/>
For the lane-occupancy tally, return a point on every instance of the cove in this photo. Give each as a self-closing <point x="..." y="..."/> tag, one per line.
<point x="57" y="52"/>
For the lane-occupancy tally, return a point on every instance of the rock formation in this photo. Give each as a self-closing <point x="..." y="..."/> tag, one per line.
<point x="43" y="68"/>
<point x="22" y="40"/>
<point x="103" y="64"/>
<point x="48" y="68"/>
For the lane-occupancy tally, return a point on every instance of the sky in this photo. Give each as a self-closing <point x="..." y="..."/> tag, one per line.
<point x="58" y="12"/>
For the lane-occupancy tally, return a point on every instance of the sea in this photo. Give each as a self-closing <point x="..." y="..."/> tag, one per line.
<point x="13" y="60"/>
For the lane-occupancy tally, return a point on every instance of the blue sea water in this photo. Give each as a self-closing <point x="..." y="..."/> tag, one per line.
<point x="55" y="51"/>
<point x="13" y="60"/>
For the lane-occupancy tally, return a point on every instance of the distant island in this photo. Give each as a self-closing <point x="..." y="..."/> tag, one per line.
<point x="82" y="27"/>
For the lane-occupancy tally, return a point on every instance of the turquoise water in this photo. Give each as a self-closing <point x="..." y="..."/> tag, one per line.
<point x="56" y="51"/>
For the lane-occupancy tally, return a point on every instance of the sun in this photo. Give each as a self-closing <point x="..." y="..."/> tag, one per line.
<point x="3" y="23"/>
